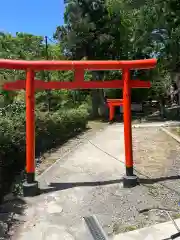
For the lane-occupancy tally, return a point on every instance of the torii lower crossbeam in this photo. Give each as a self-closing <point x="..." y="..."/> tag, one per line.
<point x="79" y="67"/>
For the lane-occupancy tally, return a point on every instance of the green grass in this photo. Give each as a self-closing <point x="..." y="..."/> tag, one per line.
<point x="118" y="228"/>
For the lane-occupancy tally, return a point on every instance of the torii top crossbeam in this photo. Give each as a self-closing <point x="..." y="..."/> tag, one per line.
<point x="72" y="65"/>
<point x="79" y="68"/>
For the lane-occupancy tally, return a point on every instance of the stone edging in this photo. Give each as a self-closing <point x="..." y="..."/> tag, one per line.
<point x="175" y="137"/>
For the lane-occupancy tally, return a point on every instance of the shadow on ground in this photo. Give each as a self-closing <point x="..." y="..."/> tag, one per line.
<point x="52" y="187"/>
<point x="10" y="215"/>
<point x="65" y="185"/>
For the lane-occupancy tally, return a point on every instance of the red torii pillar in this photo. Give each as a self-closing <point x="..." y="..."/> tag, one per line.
<point x="112" y="103"/>
<point x="30" y="187"/>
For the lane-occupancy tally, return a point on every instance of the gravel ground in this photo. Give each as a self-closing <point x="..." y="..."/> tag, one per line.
<point x="157" y="161"/>
<point x="157" y="164"/>
<point x="11" y="212"/>
<point x="156" y="157"/>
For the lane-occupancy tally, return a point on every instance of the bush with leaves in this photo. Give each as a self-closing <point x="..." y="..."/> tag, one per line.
<point x="52" y="129"/>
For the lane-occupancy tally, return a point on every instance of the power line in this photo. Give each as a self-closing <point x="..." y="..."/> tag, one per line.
<point x="122" y="162"/>
<point x="48" y="77"/>
<point x="46" y="44"/>
<point x="52" y="40"/>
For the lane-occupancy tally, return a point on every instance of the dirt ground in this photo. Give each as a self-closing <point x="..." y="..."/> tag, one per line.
<point x="157" y="164"/>
<point x="11" y="212"/>
<point x="157" y="161"/>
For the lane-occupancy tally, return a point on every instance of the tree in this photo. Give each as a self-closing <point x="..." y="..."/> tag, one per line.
<point x="30" y="47"/>
<point x="91" y="32"/>
<point x="156" y="32"/>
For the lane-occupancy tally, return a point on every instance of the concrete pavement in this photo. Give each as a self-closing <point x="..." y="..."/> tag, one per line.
<point x="88" y="181"/>
<point x="155" y="232"/>
<point x="72" y="190"/>
<point x="156" y="124"/>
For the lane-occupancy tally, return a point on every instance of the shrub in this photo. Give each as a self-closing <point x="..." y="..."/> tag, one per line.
<point x="51" y="129"/>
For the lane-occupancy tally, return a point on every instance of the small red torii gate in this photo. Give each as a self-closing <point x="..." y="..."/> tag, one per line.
<point x="112" y="103"/>
<point x="30" y="187"/>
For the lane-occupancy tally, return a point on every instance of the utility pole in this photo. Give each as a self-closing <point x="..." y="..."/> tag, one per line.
<point x="48" y="78"/>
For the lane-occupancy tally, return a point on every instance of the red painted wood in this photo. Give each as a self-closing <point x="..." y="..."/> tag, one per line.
<point x="127" y="120"/>
<point x="111" y="104"/>
<point x="72" y="65"/>
<point x="41" y="85"/>
<point x="30" y="122"/>
<point x="115" y="102"/>
<point x="79" y="67"/>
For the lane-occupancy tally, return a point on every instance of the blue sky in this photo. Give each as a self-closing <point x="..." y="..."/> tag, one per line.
<point x="38" y="17"/>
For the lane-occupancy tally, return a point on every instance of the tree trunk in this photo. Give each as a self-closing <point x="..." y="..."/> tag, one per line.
<point x="99" y="108"/>
<point x="103" y="108"/>
<point x="162" y="108"/>
<point x="95" y="102"/>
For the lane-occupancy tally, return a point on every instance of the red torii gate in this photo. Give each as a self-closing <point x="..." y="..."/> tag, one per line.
<point x="30" y="85"/>
<point x="112" y="103"/>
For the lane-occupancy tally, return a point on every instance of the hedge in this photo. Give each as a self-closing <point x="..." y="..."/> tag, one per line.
<point x="51" y="128"/>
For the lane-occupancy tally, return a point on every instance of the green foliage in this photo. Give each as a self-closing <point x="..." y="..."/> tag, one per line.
<point x="90" y="31"/>
<point x="51" y="129"/>
<point x="98" y="29"/>
<point x="58" y="127"/>
<point x="30" y="47"/>
<point x="111" y="29"/>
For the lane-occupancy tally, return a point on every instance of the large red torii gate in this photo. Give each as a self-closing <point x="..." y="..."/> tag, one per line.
<point x="79" y="67"/>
